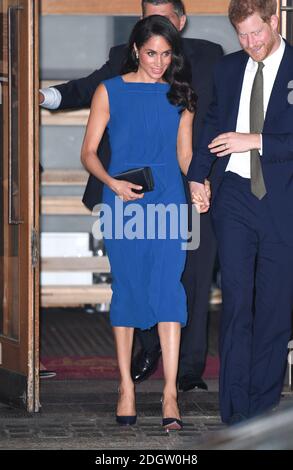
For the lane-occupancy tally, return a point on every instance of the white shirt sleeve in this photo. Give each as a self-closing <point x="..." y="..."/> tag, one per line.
<point x="52" y="97"/>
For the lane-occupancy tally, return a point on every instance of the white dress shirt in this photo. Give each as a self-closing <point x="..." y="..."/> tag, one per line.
<point x="52" y="97"/>
<point x="240" y="162"/>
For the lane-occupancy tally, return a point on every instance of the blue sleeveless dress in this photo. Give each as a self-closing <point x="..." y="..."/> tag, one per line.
<point x="145" y="252"/>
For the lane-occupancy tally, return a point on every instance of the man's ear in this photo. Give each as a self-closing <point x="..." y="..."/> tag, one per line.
<point x="182" y="23"/>
<point x="274" y="22"/>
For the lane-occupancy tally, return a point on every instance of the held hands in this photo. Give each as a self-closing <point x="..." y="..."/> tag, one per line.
<point x="230" y="142"/>
<point x="207" y="186"/>
<point x="123" y="189"/>
<point x="200" y="195"/>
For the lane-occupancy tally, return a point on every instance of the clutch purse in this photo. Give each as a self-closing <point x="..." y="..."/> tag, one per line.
<point x="141" y="176"/>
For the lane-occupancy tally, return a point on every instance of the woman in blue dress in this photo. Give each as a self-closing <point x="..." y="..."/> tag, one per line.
<point x="148" y="111"/>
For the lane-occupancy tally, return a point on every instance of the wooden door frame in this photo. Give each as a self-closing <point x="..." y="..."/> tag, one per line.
<point x="19" y="374"/>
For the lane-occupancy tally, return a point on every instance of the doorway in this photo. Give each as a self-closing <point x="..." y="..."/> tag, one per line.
<point x="19" y="194"/>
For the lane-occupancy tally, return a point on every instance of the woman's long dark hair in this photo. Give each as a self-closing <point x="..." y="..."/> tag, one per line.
<point x="178" y="74"/>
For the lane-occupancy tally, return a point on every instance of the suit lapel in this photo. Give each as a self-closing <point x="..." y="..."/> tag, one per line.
<point x="234" y="88"/>
<point x="277" y="103"/>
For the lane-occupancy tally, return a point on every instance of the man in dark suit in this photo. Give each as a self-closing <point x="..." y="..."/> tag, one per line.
<point x="248" y="130"/>
<point x="202" y="55"/>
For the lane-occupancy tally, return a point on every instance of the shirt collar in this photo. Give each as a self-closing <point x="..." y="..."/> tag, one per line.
<point x="273" y="61"/>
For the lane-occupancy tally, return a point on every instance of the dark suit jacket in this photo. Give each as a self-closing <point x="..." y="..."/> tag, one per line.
<point x="277" y="158"/>
<point x="201" y="55"/>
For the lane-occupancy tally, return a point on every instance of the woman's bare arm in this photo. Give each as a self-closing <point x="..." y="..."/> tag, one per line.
<point x="184" y="140"/>
<point x="97" y="123"/>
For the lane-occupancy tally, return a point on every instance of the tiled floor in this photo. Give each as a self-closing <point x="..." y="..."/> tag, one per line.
<point x="81" y="414"/>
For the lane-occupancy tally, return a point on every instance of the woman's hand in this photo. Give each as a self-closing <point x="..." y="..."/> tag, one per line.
<point x="200" y="196"/>
<point x="234" y="142"/>
<point x="124" y="190"/>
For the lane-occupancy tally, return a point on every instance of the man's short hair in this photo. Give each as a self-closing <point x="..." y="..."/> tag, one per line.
<point x="178" y="5"/>
<point x="240" y="10"/>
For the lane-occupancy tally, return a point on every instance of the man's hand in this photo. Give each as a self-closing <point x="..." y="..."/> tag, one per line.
<point x="200" y="196"/>
<point x="207" y="187"/>
<point x="41" y="97"/>
<point x="230" y="142"/>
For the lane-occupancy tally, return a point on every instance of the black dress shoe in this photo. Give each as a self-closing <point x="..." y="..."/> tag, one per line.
<point x="144" y="365"/>
<point x="47" y="374"/>
<point x="237" y="418"/>
<point x="189" y="382"/>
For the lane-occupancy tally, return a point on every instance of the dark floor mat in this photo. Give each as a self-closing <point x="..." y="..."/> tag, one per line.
<point x="76" y="333"/>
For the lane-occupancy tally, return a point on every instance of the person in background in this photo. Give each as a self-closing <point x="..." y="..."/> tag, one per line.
<point x="197" y="276"/>
<point x="248" y="132"/>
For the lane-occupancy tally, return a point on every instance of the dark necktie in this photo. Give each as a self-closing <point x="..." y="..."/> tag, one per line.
<point x="256" y="126"/>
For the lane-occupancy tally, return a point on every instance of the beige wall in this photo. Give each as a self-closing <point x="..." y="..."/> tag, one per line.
<point x="120" y="7"/>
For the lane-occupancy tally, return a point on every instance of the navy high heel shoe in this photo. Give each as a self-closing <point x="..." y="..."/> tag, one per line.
<point x="126" y="420"/>
<point x="171" y="424"/>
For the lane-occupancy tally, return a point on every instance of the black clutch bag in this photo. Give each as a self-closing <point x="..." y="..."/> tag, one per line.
<point x="141" y="176"/>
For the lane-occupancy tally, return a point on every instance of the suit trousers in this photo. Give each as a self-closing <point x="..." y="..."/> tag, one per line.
<point x="257" y="289"/>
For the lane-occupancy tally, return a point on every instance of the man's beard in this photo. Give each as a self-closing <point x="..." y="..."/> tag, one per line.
<point x="264" y="50"/>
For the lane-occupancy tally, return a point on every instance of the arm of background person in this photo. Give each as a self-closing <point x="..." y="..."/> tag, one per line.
<point x="78" y="93"/>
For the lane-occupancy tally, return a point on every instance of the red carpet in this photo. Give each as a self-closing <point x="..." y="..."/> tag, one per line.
<point x="99" y="367"/>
